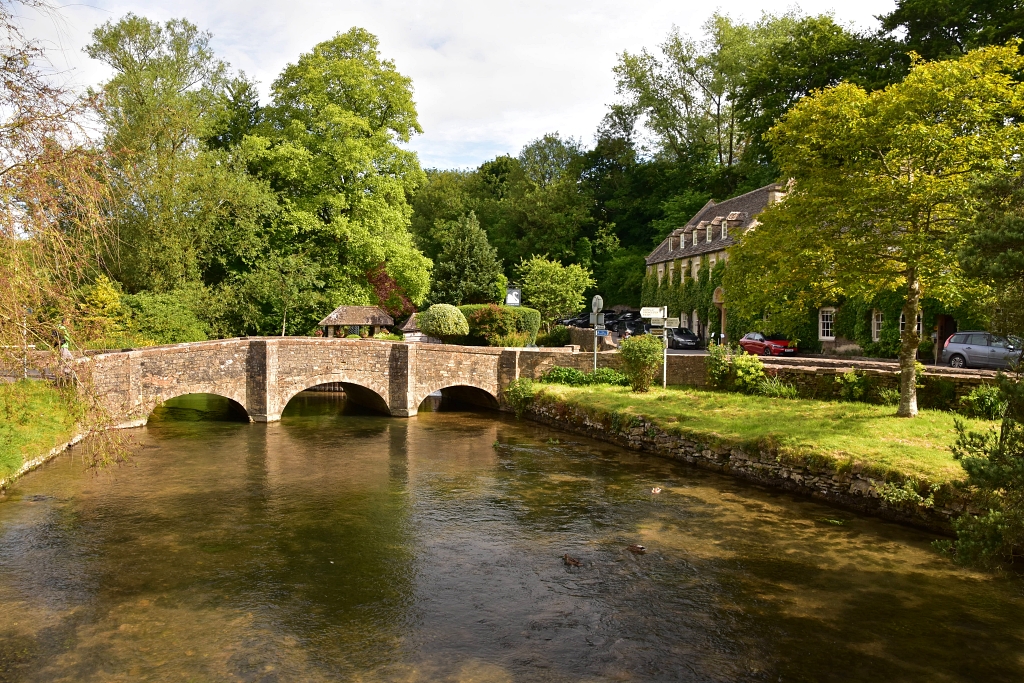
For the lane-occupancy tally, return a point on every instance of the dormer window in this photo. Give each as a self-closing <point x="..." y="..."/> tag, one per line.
<point x="725" y="230"/>
<point x="709" y="233"/>
<point x="694" y="238"/>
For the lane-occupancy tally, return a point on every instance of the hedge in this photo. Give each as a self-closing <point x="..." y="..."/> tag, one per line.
<point x="494" y="325"/>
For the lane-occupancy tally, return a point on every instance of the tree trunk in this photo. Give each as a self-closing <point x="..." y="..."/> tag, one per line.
<point x="284" y="321"/>
<point x="909" y="341"/>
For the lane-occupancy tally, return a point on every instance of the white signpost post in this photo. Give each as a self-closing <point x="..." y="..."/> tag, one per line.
<point x="597" y="318"/>
<point x="659" y="320"/>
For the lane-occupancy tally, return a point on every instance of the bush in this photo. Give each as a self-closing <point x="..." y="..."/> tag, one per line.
<point x="388" y="336"/>
<point x="774" y="387"/>
<point x="558" y="336"/>
<point x="641" y="359"/>
<point x="719" y="365"/>
<point x="888" y="396"/>
<point x="519" y="395"/>
<point x="166" y="318"/>
<point x="577" y="378"/>
<point x="496" y="325"/>
<point x="443" y="321"/>
<point x="853" y="386"/>
<point x="748" y="373"/>
<point x="985" y="402"/>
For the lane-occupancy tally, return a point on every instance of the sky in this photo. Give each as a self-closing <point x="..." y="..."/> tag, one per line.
<point x="488" y="77"/>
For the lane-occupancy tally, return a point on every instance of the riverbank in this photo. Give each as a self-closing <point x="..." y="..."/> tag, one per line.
<point x="35" y="418"/>
<point x="853" y="454"/>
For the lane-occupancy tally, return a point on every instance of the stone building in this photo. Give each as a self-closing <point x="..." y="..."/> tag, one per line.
<point x="412" y="332"/>
<point x="708" y="235"/>
<point x="345" y="320"/>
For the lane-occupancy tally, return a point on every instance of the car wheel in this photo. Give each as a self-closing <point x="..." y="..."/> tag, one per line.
<point x="957" y="361"/>
<point x="767" y="351"/>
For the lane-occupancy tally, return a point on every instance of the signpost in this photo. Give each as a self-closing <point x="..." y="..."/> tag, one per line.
<point x="659" y="321"/>
<point x="513" y="296"/>
<point x="597" y="319"/>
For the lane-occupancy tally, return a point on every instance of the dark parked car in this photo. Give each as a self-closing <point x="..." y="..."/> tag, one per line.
<point x="758" y="344"/>
<point x="682" y="338"/>
<point x="973" y="349"/>
<point x="581" y="320"/>
<point x="630" y="320"/>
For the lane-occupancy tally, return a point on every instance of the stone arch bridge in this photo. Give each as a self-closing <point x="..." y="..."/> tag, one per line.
<point x="263" y="374"/>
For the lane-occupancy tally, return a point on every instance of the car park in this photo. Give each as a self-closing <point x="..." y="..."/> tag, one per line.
<point x="979" y="349"/>
<point x="682" y="338"/>
<point x="630" y="320"/>
<point x="758" y="344"/>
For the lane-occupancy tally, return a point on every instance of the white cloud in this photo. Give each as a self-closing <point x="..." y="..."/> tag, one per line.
<point x="489" y="77"/>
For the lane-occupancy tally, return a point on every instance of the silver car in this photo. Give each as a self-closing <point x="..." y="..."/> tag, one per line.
<point x="980" y="350"/>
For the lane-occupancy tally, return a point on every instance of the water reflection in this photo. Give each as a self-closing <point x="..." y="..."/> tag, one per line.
<point x="344" y="545"/>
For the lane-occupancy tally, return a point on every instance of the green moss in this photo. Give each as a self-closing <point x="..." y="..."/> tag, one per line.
<point x="34" y="417"/>
<point x="839" y="435"/>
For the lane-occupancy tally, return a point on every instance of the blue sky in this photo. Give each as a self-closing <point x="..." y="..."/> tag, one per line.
<point x="489" y="77"/>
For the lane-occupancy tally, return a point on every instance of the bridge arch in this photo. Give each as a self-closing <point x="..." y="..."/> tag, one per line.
<point x="237" y="403"/>
<point x="357" y="391"/>
<point x="464" y="392"/>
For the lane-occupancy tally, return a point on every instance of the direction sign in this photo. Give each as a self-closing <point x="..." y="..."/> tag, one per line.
<point x="602" y="333"/>
<point x="654" y="312"/>
<point x="597" y="303"/>
<point x="599" y="327"/>
<point x="657" y="322"/>
<point x="672" y="322"/>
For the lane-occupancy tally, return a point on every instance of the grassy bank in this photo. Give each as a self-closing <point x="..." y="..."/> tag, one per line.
<point x="34" y="417"/>
<point x="850" y="433"/>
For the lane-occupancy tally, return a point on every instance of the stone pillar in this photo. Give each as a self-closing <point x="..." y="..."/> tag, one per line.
<point x="401" y="381"/>
<point x="261" y="381"/>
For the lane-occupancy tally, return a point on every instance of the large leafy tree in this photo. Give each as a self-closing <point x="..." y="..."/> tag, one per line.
<point x="884" y="184"/>
<point x="467" y="270"/>
<point x="936" y="29"/>
<point x="553" y="289"/>
<point x="331" y="147"/>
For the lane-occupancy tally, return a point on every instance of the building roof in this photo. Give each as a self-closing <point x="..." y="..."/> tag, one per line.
<point x="410" y="325"/>
<point x="358" y="315"/>
<point x="738" y="213"/>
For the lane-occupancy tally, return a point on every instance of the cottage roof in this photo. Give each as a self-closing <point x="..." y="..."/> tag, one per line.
<point x="410" y="325"/>
<point x="358" y="315"/>
<point x="737" y="213"/>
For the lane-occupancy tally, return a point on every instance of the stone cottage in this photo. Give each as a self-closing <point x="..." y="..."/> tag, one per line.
<point x="345" y="320"/>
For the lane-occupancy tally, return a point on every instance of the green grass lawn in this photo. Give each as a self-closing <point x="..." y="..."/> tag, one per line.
<point x="34" y="417"/>
<point x="804" y="429"/>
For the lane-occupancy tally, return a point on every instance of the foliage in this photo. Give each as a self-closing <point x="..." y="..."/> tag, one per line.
<point x="901" y="494"/>
<point x="642" y="357"/>
<point x="994" y="463"/>
<point x="519" y="395"/>
<point x="888" y="397"/>
<point x="773" y="387"/>
<point x="747" y="373"/>
<point x="985" y="402"/>
<point x="853" y="385"/>
<point x="558" y="336"/>
<point x="718" y="364"/>
<point x="388" y="336"/>
<point x="936" y="29"/>
<point x="168" y="318"/>
<point x="553" y="289"/>
<point x="496" y="325"/>
<point x="577" y="378"/>
<point x="880" y="153"/>
<point x="443" y="321"/>
<point x="466" y="269"/>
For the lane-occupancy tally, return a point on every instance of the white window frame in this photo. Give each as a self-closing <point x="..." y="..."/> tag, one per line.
<point x="671" y="270"/>
<point x="725" y="230"/>
<point x="831" y="313"/>
<point x="709" y="234"/>
<point x="877" y="320"/>
<point x="695" y="237"/>
<point x="903" y="323"/>
<point x="661" y="271"/>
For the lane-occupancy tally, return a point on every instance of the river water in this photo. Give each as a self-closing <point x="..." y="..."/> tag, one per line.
<point x="342" y="546"/>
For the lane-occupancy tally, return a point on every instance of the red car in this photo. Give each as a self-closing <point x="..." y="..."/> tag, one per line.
<point x="758" y="344"/>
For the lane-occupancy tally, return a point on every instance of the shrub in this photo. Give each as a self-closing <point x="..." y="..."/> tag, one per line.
<point x="775" y="388"/>
<point x="496" y="325"/>
<point x="443" y="321"/>
<point x="719" y="365"/>
<point x="577" y="378"/>
<point x="641" y="359"/>
<point x="519" y="395"/>
<point x="985" y="402"/>
<point x="166" y="318"/>
<point x="888" y="396"/>
<point x="558" y="336"/>
<point x="853" y="386"/>
<point x="388" y="336"/>
<point x="748" y="373"/>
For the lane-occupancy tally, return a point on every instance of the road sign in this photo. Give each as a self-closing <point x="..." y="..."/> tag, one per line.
<point x="657" y="322"/>
<point x="513" y="297"/>
<point x="597" y="318"/>
<point x="672" y="322"/>
<point x="599" y="327"/>
<point x="602" y="333"/>
<point x="654" y="312"/>
<point x="597" y="303"/>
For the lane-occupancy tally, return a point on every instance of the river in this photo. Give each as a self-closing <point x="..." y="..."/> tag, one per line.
<point x="338" y="545"/>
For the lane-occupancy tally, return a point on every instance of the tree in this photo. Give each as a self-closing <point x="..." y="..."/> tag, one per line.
<point x="553" y="289"/>
<point x="883" y="188"/>
<point x="467" y="270"/>
<point x="277" y="286"/>
<point x="938" y="29"/>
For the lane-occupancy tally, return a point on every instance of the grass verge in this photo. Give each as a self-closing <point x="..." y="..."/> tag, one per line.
<point x="846" y="433"/>
<point x="34" y="417"/>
